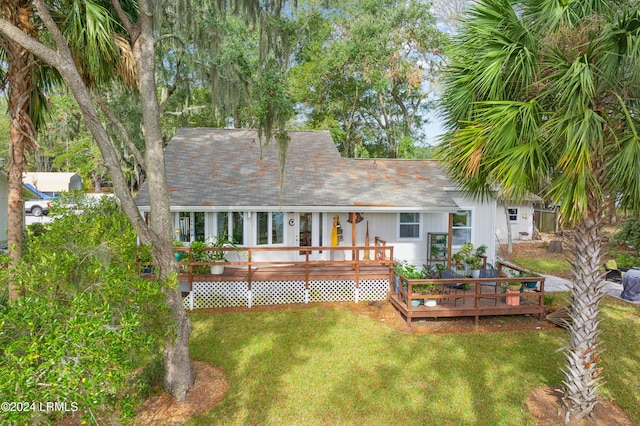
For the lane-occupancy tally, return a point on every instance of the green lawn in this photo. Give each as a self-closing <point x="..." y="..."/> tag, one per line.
<point x="545" y="265"/>
<point x="330" y="366"/>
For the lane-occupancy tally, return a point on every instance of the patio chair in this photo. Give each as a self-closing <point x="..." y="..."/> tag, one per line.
<point x="489" y="272"/>
<point x="455" y="287"/>
<point x="613" y="273"/>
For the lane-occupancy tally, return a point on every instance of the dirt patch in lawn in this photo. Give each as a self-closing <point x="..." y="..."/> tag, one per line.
<point x="210" y="386"/>
<point x="545" y="407"/>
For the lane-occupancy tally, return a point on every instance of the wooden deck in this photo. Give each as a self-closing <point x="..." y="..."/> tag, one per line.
<point x="331" y="271"/>
<point x="325" y="276"/>
<point x="475" y="302"/>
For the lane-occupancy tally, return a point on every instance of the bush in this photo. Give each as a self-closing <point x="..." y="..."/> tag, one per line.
<point x="88" y="324"/>
<point x="629" y="235"/>
<point x="409" y="271"/>
<point x="627" y="260"/>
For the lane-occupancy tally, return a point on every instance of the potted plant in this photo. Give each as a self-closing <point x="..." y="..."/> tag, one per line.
<point x="427" y="289"/>
<point x="217" y="254"/>
<point x="514" y="286"/>
<point x="410" y="272"/>
<point x="470" y="257"/>
<point x="179" y="254"/>
<point x="199" y="253"/>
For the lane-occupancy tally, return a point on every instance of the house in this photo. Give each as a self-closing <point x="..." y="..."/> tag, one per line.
<point x="53" y="183"/>
<point x="224" y="181"/>
<point x="517" y="215"/>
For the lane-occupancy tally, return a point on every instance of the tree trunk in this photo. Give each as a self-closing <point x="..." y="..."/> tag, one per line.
<point x="582" y="371"/>
<point x="21" y="137"/>
<point x="97" y="183"/>
<point x="509" y="234"/>
<point x="178" y="377"/>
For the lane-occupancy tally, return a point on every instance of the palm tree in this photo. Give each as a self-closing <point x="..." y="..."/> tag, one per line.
<point x="27" y="79"/>
<point x="21" y="85"/>
<point x="542" y="93"/>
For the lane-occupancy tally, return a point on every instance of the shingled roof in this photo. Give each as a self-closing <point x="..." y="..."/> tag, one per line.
<point x="228" y="169"/>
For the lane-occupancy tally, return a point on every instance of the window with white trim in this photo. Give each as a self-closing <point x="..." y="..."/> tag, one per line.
<point x="190" y="226"/>
<point x="230" y="226"/>
<point x="461" y="228"/>
<point x="270" y="228"/>
<point x="409" y="225"/>
<point x="512" y="212"/>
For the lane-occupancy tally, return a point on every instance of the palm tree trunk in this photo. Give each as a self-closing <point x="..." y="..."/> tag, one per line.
<point x="582" y="371"/>
<point x="21" y="137"/>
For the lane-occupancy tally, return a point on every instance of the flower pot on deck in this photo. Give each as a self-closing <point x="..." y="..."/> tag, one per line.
<point x="513" y="300"/>
<point x="217" y="269"/>
<point x="416" y="302"/>
<point x="430" y="303"/>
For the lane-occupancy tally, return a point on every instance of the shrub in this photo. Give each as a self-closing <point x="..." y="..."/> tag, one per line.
<point x="87" y="323"/>
<point x="409" y="271"/>
<point x="630" y="234"/>
<point x="627" y="260"/>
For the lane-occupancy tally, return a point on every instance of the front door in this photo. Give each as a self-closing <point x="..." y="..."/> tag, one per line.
<point x="309" y="234"/>
<point x="305" y="233"/>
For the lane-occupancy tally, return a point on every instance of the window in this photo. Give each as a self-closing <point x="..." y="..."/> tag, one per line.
<point x="409" y="224"/>
<point x="190" y="226"/>
<point x="512" y="212"/>
<point x="461" y="228"/>
<point x="198" y="226"/>
<point x="270" y="228"/>
<point x="231" y="226"/>
<point x="184" y="227"/>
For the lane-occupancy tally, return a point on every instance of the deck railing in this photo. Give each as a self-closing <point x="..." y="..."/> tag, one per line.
<point x="527" y="299"/>
<point x="244" y="258"/>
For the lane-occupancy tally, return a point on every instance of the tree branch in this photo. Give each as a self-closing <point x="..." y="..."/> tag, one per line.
<point x="132" y="29"/>
<point x="14" y="33"/>
<point x="125" y="135"/>
<point x="62" y="60"/>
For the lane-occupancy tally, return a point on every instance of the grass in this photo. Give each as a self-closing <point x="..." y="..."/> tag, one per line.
<point x="621" y="359"/>
<point x="331" y="366"/>
<point x="544" y="265"/>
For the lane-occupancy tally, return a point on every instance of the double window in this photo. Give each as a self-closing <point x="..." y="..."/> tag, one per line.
<point x="270" y="228"/>
<point x="190" y="227"/>
<point x="409" y="226"/>
<point x="512" y="212"/>
<point x="230" y="226"/>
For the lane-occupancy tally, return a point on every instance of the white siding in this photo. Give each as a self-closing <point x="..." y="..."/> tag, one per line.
<point x="483" y="223"/>
<point x="523" y="223"/>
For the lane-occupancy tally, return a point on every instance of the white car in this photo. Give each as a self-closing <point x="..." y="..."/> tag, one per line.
<point x="37" y="207"/>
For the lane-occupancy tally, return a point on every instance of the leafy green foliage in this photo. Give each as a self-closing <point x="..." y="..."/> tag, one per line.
<point x="88" y="321"/>
<point x="541" y="96"/>
<point x="629" y="235"/>
<point x="363" y="70"/>
<point x="627" y="260"/>
<point x="409" y="271"/>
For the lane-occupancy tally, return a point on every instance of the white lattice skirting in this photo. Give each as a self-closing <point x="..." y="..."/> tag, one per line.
<point x="225" y="294"/>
